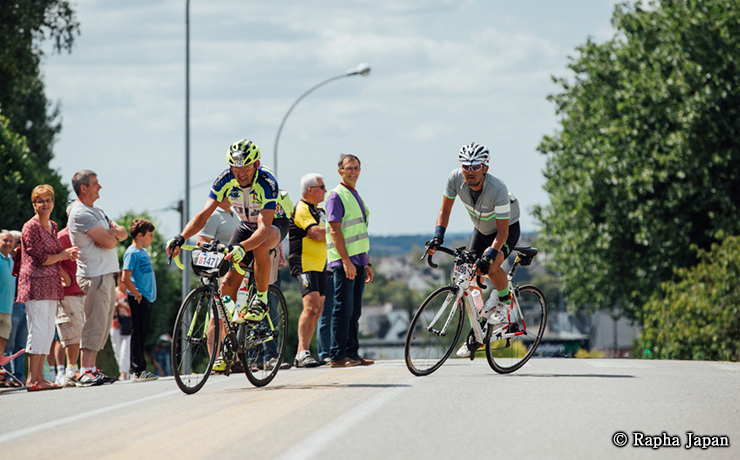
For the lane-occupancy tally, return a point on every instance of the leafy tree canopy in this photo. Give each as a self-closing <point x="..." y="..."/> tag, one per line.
<point x="645" y="167"/>
<point x="698" y="316"/>
<point x="19" y="175"/>
<point x="24" y="26"/>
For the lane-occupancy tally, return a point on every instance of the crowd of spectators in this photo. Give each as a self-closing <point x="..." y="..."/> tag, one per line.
<point x="63" y="293"/>
<point x="60" y="294"/>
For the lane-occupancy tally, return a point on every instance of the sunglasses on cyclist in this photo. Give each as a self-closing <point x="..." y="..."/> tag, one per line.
<point x="322" y="187"/>
<point x="475" y="168"/>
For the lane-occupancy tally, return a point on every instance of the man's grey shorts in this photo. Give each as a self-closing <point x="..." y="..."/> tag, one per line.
<point x="70" y="319"/>
<point x="100" y="303"/>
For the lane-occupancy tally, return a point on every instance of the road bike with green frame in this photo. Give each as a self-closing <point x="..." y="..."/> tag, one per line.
<point x="436" y="327"/>
<point x="258" y="345"/>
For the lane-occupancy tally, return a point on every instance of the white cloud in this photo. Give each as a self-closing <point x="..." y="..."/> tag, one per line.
<point x="444" y="73"/>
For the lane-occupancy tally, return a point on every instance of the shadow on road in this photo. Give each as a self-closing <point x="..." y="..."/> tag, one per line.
<point x="590" y="376"/>
<point x="303" y="386"/>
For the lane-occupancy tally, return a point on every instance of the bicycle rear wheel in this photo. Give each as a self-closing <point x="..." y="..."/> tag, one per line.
<point x="507" y="355"/>
<point x="265" y="346"/>
<point x="429" y="342"/>
<point x="191" y="358"/>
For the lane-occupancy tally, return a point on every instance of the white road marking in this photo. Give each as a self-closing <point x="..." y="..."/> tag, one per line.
<point x="317" y="441"/>
<point x="85" y="415"/>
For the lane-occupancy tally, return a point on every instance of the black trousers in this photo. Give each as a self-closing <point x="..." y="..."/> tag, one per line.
<point x="141" y="313"/>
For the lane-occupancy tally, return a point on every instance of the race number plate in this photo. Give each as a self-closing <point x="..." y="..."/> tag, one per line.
<point x="209" y="260"/>
<point x="461" y="270"/>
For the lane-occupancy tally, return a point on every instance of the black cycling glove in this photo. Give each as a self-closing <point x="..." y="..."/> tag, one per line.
<point x="484" y="263"/>
<point x="176" y="242"/>
<point x="439" y="237"/>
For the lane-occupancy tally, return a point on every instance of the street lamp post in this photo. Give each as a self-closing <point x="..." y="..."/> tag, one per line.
<point x="185" y="204"/>
<point x="362" y="69"/>
<point x="186" y="201"/>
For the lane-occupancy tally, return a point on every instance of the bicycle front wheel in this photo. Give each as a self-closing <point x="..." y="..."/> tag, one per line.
<point x="509" y="354"/>
<point x="434" y="331"/>
<point x="193" y="353"/>
<point x="264" y="343"/>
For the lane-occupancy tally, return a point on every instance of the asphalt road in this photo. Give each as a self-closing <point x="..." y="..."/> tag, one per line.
<point x="550" y="409"/>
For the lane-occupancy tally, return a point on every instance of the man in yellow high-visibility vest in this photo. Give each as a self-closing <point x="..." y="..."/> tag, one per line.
<point x="347" y="246"/>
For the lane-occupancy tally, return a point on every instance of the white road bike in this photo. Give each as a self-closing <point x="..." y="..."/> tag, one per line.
<point x="436" y="327"/>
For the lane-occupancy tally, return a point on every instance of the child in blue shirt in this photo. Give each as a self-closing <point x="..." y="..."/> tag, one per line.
<point x="138" y="276"/>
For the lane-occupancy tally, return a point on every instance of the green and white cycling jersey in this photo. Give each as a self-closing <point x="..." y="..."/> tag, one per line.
<point x="247" y="202"/>
<point x="495" y="201"/>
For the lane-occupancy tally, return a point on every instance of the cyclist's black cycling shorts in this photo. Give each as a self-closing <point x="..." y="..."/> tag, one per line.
<point x="242" y="232"/>
<point x="480" y="242"/>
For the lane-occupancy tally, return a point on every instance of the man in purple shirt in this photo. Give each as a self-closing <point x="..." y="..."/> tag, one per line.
<point x="347" y="247"/>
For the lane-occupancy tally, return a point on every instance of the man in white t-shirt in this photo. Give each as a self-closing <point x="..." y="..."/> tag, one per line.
<point x="220" y="225"/>
<point x="97" y="269"/>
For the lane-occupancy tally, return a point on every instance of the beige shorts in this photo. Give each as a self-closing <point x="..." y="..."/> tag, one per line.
<point x="6" y="325"/>
<point x="70" y="319"/>
<point x="100" y="304"/>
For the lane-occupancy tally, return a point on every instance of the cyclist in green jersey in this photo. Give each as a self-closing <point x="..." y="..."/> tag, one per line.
<point x="263" y="210"/>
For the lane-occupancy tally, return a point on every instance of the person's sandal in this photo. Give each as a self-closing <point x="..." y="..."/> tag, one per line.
<point x="42" y="385"/>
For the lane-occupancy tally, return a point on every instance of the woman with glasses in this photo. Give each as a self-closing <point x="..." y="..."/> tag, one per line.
<point x="495" y="215"/>
<point x="40" y="282"/>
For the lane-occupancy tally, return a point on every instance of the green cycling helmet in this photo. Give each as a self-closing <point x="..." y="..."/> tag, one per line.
<point x="242" y="153"/>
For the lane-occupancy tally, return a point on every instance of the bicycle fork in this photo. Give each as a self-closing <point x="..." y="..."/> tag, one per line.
<point x="443" y="332"/>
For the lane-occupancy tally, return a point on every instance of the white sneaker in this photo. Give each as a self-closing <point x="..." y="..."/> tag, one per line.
<point x="463" y="352"/>
<point x="499" y="314"/>
<point x="143" y="376"/>
<point x="60" y="379"/>
<point x="70" y="378"/>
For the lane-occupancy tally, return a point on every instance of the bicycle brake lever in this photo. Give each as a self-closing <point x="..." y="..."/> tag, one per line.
<point x="478" y="280"/>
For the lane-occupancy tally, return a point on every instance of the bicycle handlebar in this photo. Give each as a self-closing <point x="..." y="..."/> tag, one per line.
<point x="454" y="253"/>
<point x="223" y="249"/>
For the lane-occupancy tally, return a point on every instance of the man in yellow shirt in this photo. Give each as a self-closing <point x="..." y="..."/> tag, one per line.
<point x="307" y="260"/>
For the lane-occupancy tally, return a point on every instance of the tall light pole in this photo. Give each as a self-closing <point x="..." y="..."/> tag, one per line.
<point x="185" y="213"/>
<point x="186" y="202"/>
<point x="362" y="69"/>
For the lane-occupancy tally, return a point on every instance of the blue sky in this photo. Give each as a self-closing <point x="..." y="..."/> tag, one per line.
<point x="444" y="73"/>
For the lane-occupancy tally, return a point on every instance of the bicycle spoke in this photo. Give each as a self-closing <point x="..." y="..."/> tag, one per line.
<point x="264" y="343"/>
<point x="193" y="352"/>
<point x="513" y="349"/>
<point x="427" y="348"/>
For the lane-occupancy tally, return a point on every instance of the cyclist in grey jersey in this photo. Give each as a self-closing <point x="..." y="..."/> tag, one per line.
<point x="495" y="215"/>
<point x="486" y="206"/>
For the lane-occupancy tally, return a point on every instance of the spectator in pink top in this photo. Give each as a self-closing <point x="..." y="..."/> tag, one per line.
<point x="40" y="282"/>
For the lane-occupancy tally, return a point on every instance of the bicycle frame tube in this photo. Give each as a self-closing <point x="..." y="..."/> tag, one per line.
<point x="464" y="286"/>
<point x="195" y="317"/>
<point x="473" y="317"/>
<point x="443" y="331"/>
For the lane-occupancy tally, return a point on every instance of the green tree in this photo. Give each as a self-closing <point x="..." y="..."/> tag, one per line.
<point x="24" y="26"/>
<point x="698" y="315"/>
<point x="645" y="167"/>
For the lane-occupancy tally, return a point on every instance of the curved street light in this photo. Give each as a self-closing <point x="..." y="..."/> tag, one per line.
<point x="362" y="69"/>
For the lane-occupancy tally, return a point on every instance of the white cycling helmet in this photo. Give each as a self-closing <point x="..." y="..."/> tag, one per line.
<point x="473" y="153"/>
